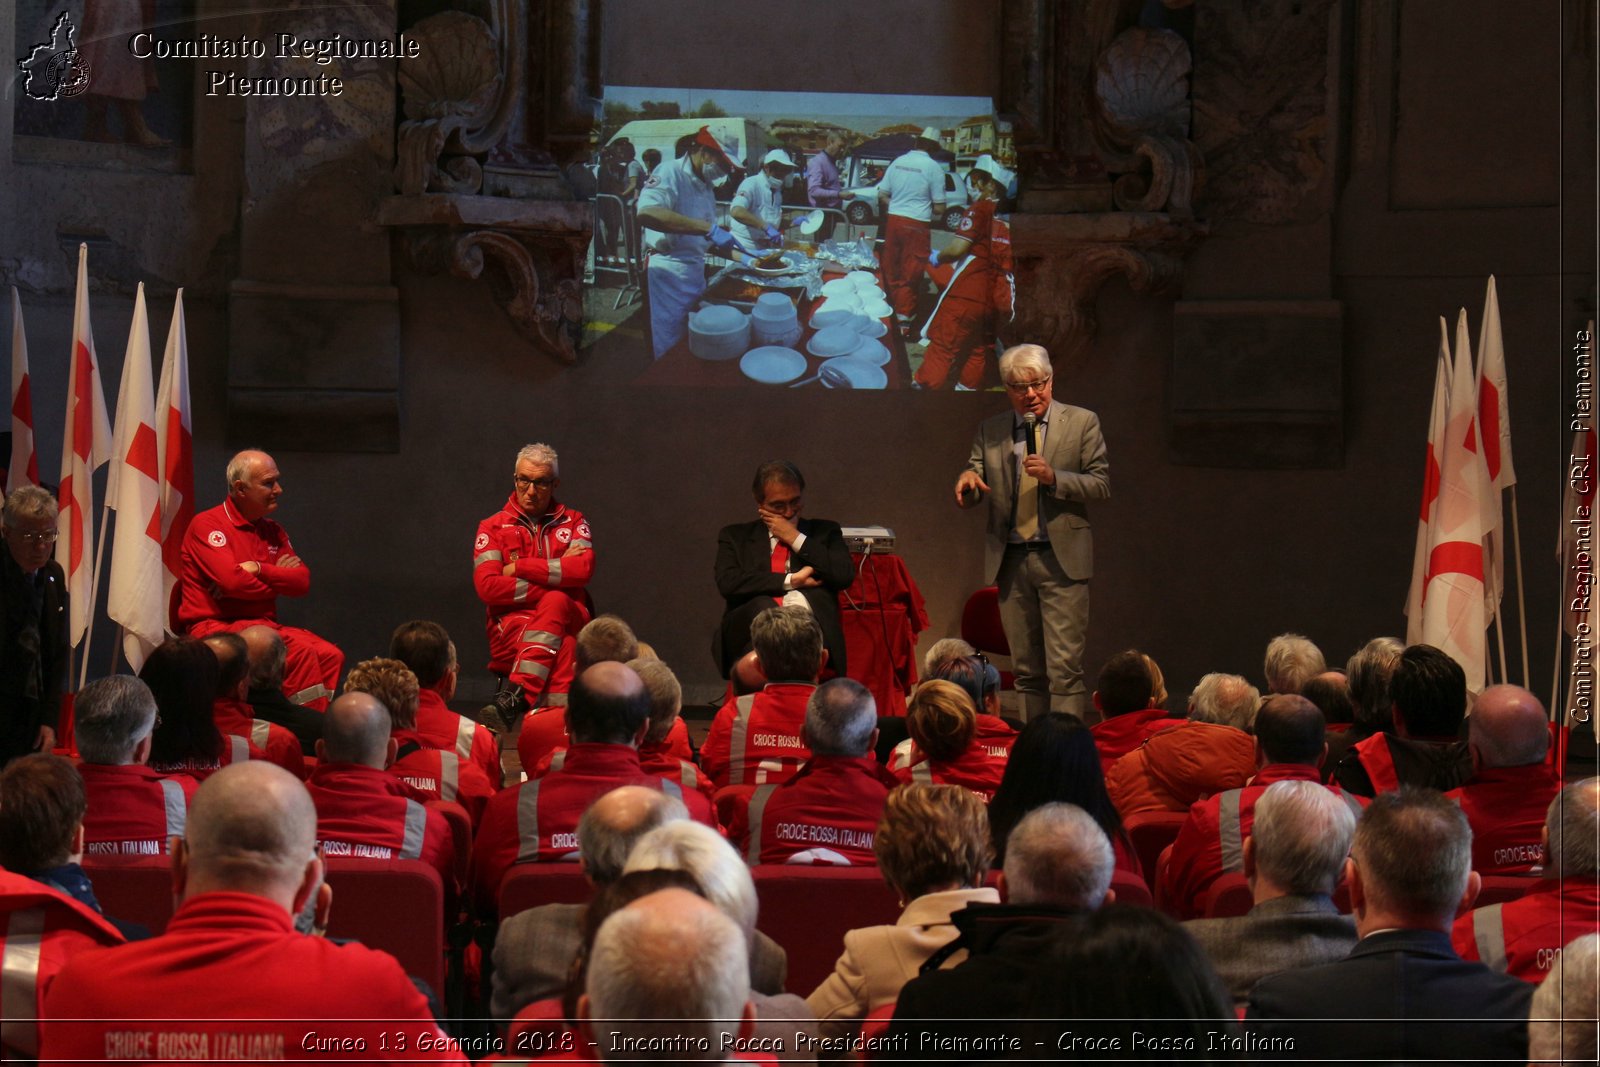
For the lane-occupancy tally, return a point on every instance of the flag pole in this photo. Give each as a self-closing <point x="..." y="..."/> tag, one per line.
<point x="94" y="589"/>
<point x="1522" y="593"/>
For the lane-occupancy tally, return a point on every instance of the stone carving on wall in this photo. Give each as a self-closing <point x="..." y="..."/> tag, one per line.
<point x="1142" y="93"/>
<point x="479" y="195"/>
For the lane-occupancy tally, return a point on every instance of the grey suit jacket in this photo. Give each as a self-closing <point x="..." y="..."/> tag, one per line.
<point x="1276" y="935"/>
<point x="1076" y="451"/>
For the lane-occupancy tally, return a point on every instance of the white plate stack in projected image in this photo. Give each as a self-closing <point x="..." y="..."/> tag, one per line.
<point x="772" y="364"/>
<point x="834" y="341"/>
<point x="870" y="351"/>
<point x="858" y="372"/>
<point x="870" y="327"/>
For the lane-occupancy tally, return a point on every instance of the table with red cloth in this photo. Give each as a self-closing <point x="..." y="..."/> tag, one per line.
<point x="882" y="613"/>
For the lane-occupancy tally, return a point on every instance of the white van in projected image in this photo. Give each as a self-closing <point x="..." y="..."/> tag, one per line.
<point x="747" y="135"/>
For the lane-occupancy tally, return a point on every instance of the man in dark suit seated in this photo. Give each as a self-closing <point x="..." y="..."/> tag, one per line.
<point x="1296" y="849"/>
<point x="781" y="559"/>
<point x="1402" y="993"/>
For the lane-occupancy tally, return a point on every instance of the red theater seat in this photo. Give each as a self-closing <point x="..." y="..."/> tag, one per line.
<point x="1151" y="832"/>
<point x="1499" y="888"/>
<point x="136" y="889"/>
<point x="528" y="885"/>
<point x="808" y="910"/>
<point x="393" y="905"/>
<point x="1130" y="889"/>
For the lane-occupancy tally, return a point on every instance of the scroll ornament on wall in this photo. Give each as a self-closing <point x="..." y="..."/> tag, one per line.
<point x="449" y="90"/>
<point x="1141" y="91"/>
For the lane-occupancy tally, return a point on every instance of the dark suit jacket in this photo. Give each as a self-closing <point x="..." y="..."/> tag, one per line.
<point x="1373" y="999"/>
<point x="747" y="583"/>
<point x="22" y="714"/>
<point x="1277" y="935"/>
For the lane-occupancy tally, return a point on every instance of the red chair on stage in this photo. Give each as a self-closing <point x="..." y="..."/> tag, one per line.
<point x="980" y="628"/>
<point x="809" y="909"/>
<point x="528" y="885"/>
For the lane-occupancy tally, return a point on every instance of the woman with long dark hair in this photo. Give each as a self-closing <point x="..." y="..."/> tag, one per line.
<point x="182" y="673"/>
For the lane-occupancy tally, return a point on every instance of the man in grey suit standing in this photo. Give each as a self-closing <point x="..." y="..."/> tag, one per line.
<point x="1045" y="461"/>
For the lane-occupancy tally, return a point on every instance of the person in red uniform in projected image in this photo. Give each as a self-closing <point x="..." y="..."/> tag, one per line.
<point x="978" y="287"/>
<point x="237" y="562"/>
<point x="530" y="563"/>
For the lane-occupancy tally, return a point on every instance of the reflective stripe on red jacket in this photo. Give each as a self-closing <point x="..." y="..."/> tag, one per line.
<point x="132" y="810"/>
<point x="554" y="551"/>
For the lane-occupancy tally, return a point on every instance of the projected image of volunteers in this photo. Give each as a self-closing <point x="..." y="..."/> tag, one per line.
<point x="756" y="213"/>
<point x="679" y="204"/>
<point x="978" y="296"/>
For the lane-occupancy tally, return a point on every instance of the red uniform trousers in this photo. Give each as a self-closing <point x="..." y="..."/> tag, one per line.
<point x="439" y="727"/>
<point x="1505" y="806"/>
<point x="311" y="672"/>
<point x="278" y="742"/>
<point x="534" y="649"/>
<point x="757" y="738"/>
<point x="826" y="814"/>
<point x="132" y="809"/>
<point x="366" y="812"/>
<point x="1211" y="841"/>
<point x="906" y="244"/>
<point x="961" y="336"/>
<point x="537" y="821"/>
<point x="1524" y="937"/>
<point x="230" y="979"/>
<point x="1121" y="734"/>
<point x="43" y="931"/>
<point x="440" y="775"/>
<point x="975" y="770"/>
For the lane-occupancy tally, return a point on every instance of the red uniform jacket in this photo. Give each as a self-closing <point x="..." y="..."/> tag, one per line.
<point x="42" y="931"/>
<point x="827" y="813"/>
<point x="538" y="820"/>
<point x="362" y="811"/>
<point x="756" y="739"/>
<point x="1179" y="765"/>
<point x="439" y="727"/>
<point x="544" y="733"/>
<point x="1121" y="734"/>
<point x="658" y="761"/>
<point x="975" y="769"/>
<point x="132" y="809"/>
<point x="231" y="980"/>
<point x="1524" y="937"/>
<point x="214" y="587"/>
<point x="995" y="735"/>
<point x="235" y="749"/>
<point x="1505" y="806"/>
<point x="1211" y="842"/>
<point x="440" y="775"/>
<point x="280" y="745"/>
<point x="554" y="551"/>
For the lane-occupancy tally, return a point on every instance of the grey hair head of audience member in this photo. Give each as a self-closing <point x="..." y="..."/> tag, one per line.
<point x="1412" y="853"/>
<point x="1508" y="727"/>
<point x="111" y="716"/>
<point x="1369" y="672"/>
<point x="945" y="650"/>
<point x="666" y="695"/>
<point x="1058" y="856"/>
<point x="268" y="656"/>
<point x="356" y="729"/>
<point x="612" y="825"/>
<point x="1300" y="837"/>
<point x="1562" y="1018"/>
<point x="788" y="643"/>
<point x="668" y="967"/>
<point x="251" y="829"/>
<point x="706" y="856"/>
<point x="1225" y="700"/>
<point x="1292" y="660"/>
<point x="841" y="719"/>
<point x="1572" y="828"/>
<point x="605" y="639"/>
<point x="540" y="455"/>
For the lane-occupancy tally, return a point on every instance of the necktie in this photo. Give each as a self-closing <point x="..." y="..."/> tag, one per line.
<point x="1027" y="520"/>
<point x="780" y="562"/>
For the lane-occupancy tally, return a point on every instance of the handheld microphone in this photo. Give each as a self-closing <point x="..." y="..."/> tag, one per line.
<point x="1032" y="423"/>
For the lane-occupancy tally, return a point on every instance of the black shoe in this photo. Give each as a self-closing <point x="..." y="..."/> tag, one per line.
<point x="501" y="715"/>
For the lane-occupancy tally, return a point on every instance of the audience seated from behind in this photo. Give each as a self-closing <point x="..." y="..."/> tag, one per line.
<point x="182" y="674"/>
<point x="945" y="745"/>
<point x="1521" y="937"/>
<point x="1330" y="692"/>
<point x="1293" y="858"/>
<point x="932" y="846"/>
<point x="132" y="810"/>
<point x="757" y="739"/>
<point x="534" y="949"/>
<point x="980" y="680"/>
<point x="1367" y="676"/>
<point x="723" y="879"/>
<point x="1055" y="761"/>
<point x="1124" y="696"/>
<point x="1208" y="752"/>
<point x="427" y="651"/>
<point x="437" y="773"/>
<point x="1158" y="682"/>
<point x="1428" y="696"/>
<point x="665" y="748"/>
<point x="1561" y="1025"/>
<point x="827" y="812"/>
<point x="231" y="974"/>
<point x="362" y="810"/>
<point x="603" y="639"/>
<point x="234" y="715"/>
<point x="1291" y="661"/>
<point x="1508" y="738"/>
<point x="1409" y="873"/>
<point x="1289" y="748"/>
<point x="268" y="657"/>
<point x="1058" y="866"/>
<point x="608" y="713"/>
